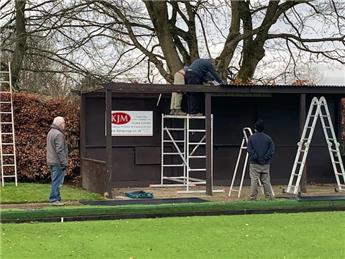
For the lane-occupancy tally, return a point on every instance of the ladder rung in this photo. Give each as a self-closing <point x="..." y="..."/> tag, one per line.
<point x="174" y="129"/>
<point x="6" y="133"/>
<point x="5" y="112"/>
<point x="197" y="157"/>
<point x="9" y="165"/>
<point x="7" y="176"/>
<point x="197" y="170"/>
<point x="173" y="165"/>
<point x="5" y="122"/>
<point x="7" y="154"/>
<point x="4" y="72"/>
<point x="170" y="141"/>
<point x="5" y="102"/>
<point x="197" y="143"/>
<point x="5" y="92"/>
<point x="197" y="130"/>
<point x="7" y="144"/>
<point x="170" y="153"/>
<point x="338" y="173"/>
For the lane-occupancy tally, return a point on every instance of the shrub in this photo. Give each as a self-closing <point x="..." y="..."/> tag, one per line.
<point x="33" y="115"/>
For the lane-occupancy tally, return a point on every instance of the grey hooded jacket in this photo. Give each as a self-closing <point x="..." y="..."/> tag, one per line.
<point x="57" y="150"/>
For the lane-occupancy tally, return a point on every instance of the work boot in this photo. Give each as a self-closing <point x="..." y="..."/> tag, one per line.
<point x="179" y="112"/>
<point x="172" y="112"/>
<point x="196" y="114"/>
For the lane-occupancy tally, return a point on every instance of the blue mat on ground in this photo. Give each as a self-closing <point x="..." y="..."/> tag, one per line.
<point x="143" y="201"/>
<point x="321" y="198"/>
<point x="139" y="195"/>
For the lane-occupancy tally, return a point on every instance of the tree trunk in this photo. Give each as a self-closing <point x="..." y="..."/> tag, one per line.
<point x="159" y="16"/>
<point x="231" y="42"/>
<point x="20" y="47"/>
<point x="253" y="50"/>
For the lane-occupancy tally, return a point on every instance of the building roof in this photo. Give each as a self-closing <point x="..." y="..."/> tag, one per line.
<point x="223" y="90"/>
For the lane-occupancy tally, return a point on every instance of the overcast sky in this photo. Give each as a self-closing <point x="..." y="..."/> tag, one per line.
<point x="332" y="77"/>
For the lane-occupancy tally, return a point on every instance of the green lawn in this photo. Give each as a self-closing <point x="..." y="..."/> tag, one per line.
<point x="31" y="192"/>
<point x="300" y="235"/>
<point x="178" y="208"/>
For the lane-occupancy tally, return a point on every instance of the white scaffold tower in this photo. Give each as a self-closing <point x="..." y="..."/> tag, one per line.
<point x="8" y="161"/>
<point x="247" y="132"/>
<point x="318" y="109"/>
<point x="183" y="152"/>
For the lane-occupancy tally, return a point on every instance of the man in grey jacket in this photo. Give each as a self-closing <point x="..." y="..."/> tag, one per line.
<point x="57" y="158"/>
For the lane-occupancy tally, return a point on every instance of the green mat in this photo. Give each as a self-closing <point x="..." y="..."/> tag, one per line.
<point x="139" y="195"/>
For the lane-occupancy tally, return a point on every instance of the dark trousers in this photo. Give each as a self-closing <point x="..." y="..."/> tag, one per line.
<point x="194" y="100"/>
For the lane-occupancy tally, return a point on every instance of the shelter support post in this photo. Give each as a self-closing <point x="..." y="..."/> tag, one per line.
<point x="302" y="117"/>
<point x="209" y="166"/>
<point x="82" y="127"/>
<point x="338" y="117"/>
<point x="109" y="148"/>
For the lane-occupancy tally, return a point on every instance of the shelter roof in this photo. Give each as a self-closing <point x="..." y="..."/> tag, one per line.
<point x="223" y="90"/>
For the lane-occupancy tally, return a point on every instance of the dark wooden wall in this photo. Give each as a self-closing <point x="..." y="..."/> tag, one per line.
<point x="136" y="160"/>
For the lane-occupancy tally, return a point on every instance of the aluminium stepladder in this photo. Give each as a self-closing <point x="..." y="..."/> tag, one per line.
<point x="247" y="132"/>
<point x="8" y="161"/>
<point x="318" y="108"/>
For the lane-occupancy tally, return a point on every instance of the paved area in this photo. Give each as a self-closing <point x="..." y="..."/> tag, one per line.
<point x="174" y="192"/>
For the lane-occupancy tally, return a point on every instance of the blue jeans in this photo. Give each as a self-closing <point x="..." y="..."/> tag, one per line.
<point x="57" y="174"/>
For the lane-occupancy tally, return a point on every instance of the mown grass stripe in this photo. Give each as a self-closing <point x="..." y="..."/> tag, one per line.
<point x="73" y="211"/>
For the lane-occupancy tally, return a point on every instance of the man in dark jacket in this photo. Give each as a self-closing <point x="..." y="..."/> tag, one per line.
<point x="260" y="149"/>
<point x="57" y="158"/>
<point x="199" y="72"/>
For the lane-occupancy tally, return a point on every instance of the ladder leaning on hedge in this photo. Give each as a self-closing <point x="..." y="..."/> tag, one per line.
<point x="8" y="162"/>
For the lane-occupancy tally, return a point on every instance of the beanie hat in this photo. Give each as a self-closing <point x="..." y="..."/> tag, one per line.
<point x="259" y="126"/>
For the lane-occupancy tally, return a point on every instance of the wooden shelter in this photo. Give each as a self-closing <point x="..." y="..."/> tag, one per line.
<point x="124" y="161"/>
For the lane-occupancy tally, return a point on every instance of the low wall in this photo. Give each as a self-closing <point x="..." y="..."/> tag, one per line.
<point x="93" y="174"/>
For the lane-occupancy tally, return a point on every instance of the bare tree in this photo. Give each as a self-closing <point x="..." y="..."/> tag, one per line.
<point x="119" y="39"/>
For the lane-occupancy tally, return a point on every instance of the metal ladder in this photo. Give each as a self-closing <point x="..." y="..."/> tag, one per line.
<point x="182" y="145"/>
<point x="318" y="108"/>
<point x="7" y="137"/>
<point x="247" y="132"/>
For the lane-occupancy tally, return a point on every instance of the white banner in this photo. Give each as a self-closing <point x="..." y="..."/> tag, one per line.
<point x="132" y="123"/>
